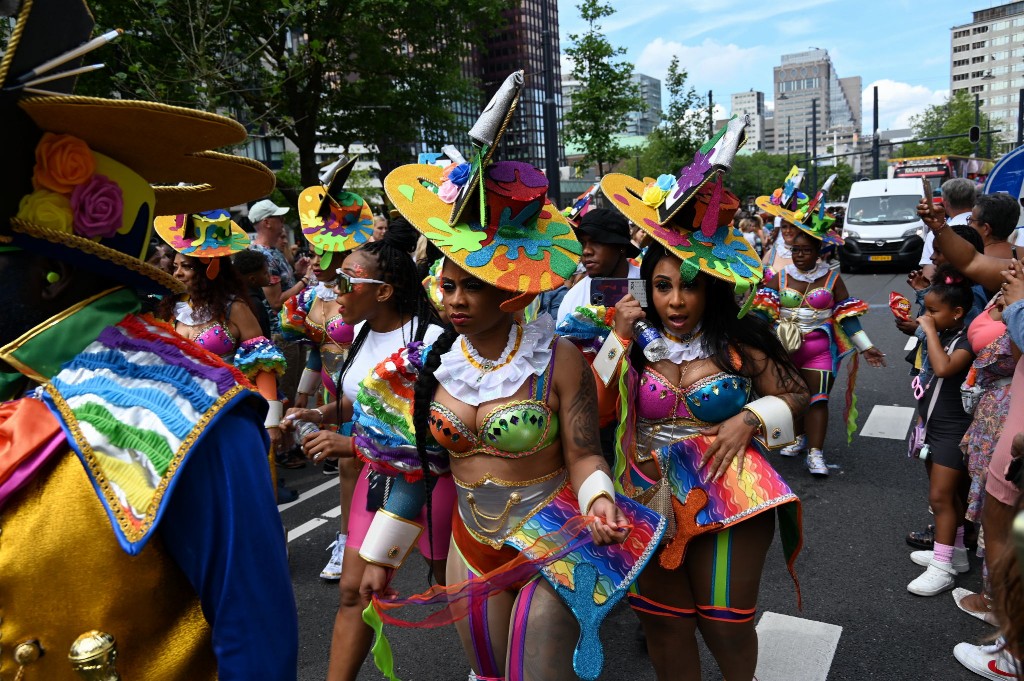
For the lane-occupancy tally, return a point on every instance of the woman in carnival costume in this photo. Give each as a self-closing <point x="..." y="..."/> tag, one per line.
<point x="380" y="295"/>
<point x="780" y="238"/>
<point x="817" y="320"/>
<point x="507" y="403"/>
<point x="334" y="222"/>
<point x="691" y="437"/>
<point x="214" y="312"/>
<point x="135" y="496"/>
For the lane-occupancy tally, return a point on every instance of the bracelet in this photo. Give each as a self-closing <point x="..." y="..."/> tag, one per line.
<point x="276" y="409"/>
<point x="861" y="341"/>
<point x="308" y="382"/>
<point x="597" y="485"/>
<point x="322" y="415"/>
<point x="776" y="420"/>
<point x="389" y="539"/>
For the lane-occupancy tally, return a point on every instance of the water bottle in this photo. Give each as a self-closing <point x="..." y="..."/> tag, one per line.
<point x="651" y="342"/>
<point x="304" y="428"/>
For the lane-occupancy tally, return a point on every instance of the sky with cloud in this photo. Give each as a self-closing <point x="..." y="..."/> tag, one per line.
<point x="731" y="46"/>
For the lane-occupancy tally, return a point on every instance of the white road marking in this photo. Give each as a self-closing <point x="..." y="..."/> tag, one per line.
<point x="305" y="527"/>
<point x="333" y="513"/>
<point x="794" y="649"/>
<point x="889" y="422"/>
<point x="306" y="496"/>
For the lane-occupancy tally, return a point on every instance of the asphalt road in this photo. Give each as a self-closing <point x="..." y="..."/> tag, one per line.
<point x="853" y="570"/>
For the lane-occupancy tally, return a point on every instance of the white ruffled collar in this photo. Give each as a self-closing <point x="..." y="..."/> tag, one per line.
<point x="184" y="313"/>
<point x="325" y="292"/>
<point x="819" y="271"/>
<point x="474" y="386"/>
<point x="686" y="350"/>
<point x="782" y="250"/>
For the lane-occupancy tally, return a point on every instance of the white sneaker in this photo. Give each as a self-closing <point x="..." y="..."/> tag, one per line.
<point x="987" y="661"/>
<point x="937" y="578"/>
<point x="960" y="562"/>
<point x="816" y="463"/>
<point x="333" y="570"/>
<point x="795" y="449"/>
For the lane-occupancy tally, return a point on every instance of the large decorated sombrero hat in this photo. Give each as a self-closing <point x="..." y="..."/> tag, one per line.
<point x="691" y="215"/>
<point x="509" y="234"/>
<point x="805" y="213"/>
<point x="334" y="220"/>
<point x="784" y="202"/>
<point x="207" y="235"/>
<point x="86" y="175"/>
<point x="813" y="220"/>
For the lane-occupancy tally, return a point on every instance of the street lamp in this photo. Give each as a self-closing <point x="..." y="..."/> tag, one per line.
<point x="711" y="114"/>
<point x="782" y="97"/>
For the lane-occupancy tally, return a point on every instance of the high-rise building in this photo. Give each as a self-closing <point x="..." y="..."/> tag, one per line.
<point x="806" y="82"/>
<point x="644" y="120"/>
<point x="752" y="104"/>
<point x="519" y="44"/>
<point x="986" y="61"/>
<point x="641" y="122"/>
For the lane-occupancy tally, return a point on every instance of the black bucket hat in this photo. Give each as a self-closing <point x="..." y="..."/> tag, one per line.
<point x="606" y="226"/>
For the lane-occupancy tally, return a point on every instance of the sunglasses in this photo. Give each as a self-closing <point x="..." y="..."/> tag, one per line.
<point x="346" y="282"/>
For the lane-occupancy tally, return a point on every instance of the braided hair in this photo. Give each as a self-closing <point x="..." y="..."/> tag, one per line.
<point x="723" y="333"/>
<point x="393" y="254"/>
<point x="423" y="394"/>
<point x="952" y="288"/>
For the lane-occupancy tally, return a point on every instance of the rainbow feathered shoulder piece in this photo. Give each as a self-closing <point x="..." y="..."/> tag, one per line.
<point x="134" y="404"/>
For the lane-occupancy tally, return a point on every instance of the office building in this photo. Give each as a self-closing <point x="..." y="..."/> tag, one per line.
<point x="987" y="61"/>
<point x="641" y="122"/>
<point x="752" y="104"/>
<point x="806" y="82"/>
<point x="519" y="45"/>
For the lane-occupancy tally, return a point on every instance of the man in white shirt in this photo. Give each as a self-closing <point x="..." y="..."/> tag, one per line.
<point x="958" y="197"/>
<point x="607" y="249"/>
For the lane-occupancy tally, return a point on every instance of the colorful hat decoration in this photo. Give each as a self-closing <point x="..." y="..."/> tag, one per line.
<point x="784" y="202"/>
<point x="691" y="214"/>
<point x="815" y="221"/>
<point x="334" y="220"/>
<point x="509" y="235"/>
<point x="485" y="134"/>
<point x="209" y="236"/>
<point x="580" y="206"/>
<point x="83" y="171"/>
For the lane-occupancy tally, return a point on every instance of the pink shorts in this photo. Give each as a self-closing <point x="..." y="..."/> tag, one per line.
<point x="815" y="353"/>
<point x="442" y="507"/>
<point x="996" y="483"/>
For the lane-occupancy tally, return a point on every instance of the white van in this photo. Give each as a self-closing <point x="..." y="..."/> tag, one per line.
<point x="882" y="224"/>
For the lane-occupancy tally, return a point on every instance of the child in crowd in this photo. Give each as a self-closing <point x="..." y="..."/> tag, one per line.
<point x="939" y="405"/>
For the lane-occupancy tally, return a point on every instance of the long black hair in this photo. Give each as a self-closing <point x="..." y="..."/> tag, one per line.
<point x="722" y="332"/>
<point x="211" y="296"/>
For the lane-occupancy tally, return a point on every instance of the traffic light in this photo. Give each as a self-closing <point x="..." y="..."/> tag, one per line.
<point x="974" y="134"/>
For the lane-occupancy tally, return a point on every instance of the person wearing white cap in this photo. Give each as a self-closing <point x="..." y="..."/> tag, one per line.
<point x="267" y="220"/>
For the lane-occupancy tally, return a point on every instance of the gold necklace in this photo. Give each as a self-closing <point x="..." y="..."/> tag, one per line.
<point x="487" y="365"/>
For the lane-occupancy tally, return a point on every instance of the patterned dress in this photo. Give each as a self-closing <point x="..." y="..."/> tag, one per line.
<point x="992" y="370"/>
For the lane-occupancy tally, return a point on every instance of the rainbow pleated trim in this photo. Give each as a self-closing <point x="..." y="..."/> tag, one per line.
<point x="134" y="404"/>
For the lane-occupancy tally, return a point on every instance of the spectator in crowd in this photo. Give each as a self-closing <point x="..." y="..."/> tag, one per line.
<point x="958" y="198"/>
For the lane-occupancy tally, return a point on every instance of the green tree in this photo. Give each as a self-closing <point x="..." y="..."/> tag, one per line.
<point x="386" y="72"/>
<point x="954" y="117"/>
<point x="606" y="92"/>
<point x="683" y="128"/>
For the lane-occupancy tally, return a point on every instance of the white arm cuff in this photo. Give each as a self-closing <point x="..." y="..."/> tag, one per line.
<point x="273" y="419"/>
<point x="776" y="420"/>
<point x="608" y="357"/>
<point x="861" y="341"/>
<point x="389" y="539"/>
<point x="309" y="381"/>
<point x="597" y="485"/>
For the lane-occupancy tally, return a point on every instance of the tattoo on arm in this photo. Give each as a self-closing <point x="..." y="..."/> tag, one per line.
<point x="751" y="420"/>
<point x="791" y="388"/>
<point x="582" y="414"/>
